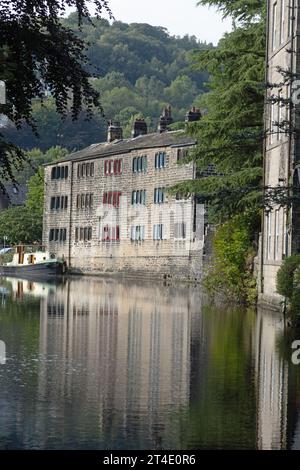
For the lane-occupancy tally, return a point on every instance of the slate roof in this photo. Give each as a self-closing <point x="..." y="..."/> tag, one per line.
<point x="117" y="147"/>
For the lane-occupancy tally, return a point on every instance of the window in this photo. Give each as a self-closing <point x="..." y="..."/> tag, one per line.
<point x="160" y="160"/>
<point x="85" y="170"/>
<point x="289" y="19"/>
<point x="180" y="230"/>
<point x="279" y="114"/>
<point x="110" y="233"/>
<point x="113" y="167"/>
<point x="274" y="26"/>
<point x="52" y="203"/>
<point x="282" y="22"/>
<point x="138" y="197"/>
<point x="139" y="164"/>
<point x="137" y="233"/>
<point x="62" y="234"/>
<point x="51" y="235"/>
<point x="159" y="195"/>
<point x="269" y="235"/>
<point x="272" y="122"/>
<point x="83" y="234"/>
<point x="112" y="197"/>
<point x="158" y="232"/>
<point x="276" y="240"/>
<point x="59" y="172"/>
<point x="56" y="234"/>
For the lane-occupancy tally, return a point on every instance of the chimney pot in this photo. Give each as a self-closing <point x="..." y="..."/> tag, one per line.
<point x="114" y="131"/>
<point x="165" y="119"/>
<point x="139" y="127"/>
<point x="193" y="115"/>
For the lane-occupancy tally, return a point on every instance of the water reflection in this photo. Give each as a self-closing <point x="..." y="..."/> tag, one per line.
<point x="99" y="363"/>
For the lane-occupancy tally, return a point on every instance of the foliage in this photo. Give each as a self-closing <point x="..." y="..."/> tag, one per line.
<point x="39" y="53"/>
<point x="288" y="283"/>
<point x="141" y="68"/>
<point x="24" y="224"/>
<point x="230" y="134"/>
<point x="35" y="158"/>
<point x="20" y="225"/>
<point x="232" y="272"/>
<point x="243" y="11"/>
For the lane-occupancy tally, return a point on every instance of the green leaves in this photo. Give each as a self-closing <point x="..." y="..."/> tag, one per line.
<point x="232" y="271"/>
<point x="24" y="224"/>
<point x="243" y="11"/>
<point x="230" y="134"/>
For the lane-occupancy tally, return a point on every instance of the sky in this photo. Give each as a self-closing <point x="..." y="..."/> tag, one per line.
<point x="180" y="17"/>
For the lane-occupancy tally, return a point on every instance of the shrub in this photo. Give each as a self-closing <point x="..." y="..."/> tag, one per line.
<point x="232" y="271"/>
<point x="288" y="284"/>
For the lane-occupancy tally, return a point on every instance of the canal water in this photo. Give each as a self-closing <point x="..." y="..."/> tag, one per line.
<point x="108" y="364"/>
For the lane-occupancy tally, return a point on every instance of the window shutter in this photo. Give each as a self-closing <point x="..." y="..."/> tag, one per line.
<point x="132" y="233"/>
<point x="143" y="232"/>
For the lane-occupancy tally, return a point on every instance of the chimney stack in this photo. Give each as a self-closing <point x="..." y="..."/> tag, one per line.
<point x="193" y="115"/>
<point x="165" y="120"/>
<point x="114" y="131"/>
<point x="139" y="127"/>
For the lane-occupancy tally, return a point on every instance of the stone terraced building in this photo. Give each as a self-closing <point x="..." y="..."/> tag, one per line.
<point x="281" y="225"/>
<point x="108" y="208"/>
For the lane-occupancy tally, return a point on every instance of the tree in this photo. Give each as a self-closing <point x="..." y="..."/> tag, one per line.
<point x="24" y="224"/>
<point x="230" y="134"/>
<point x="128" y="77"/>
<point x="39" y="53"/>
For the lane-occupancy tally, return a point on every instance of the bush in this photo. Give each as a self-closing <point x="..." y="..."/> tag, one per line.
<point x="288" y="284"/>
<point x="232" y="271"/>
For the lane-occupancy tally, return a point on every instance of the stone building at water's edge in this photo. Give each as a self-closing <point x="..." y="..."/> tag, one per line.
<point x="108" y="209"/>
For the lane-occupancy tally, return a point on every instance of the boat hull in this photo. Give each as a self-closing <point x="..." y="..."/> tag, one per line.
<point x="34" y="271"/>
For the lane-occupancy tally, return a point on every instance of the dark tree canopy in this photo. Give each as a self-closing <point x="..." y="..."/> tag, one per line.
<point x="38" y="53"/>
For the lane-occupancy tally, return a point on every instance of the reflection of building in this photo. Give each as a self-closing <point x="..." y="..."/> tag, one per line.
<point x="121" y="350"/>
<point x="271" y="382"/>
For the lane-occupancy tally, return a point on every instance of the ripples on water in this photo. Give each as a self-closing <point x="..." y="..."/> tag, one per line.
<point x="105" y="364"/>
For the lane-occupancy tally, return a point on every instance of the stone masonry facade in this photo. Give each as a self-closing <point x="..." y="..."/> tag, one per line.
<point x="108" y="209"/>
<point x="280" y="234"/>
